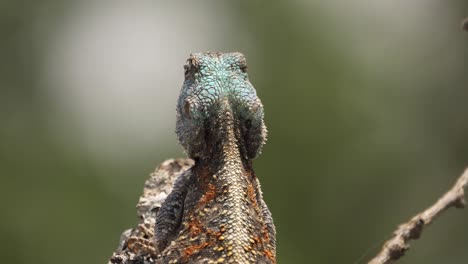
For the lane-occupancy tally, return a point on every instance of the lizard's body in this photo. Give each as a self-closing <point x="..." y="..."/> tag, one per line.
<point x="215" y="212"/>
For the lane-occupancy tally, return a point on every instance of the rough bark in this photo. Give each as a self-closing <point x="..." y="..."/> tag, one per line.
<point x="136" y="245"/>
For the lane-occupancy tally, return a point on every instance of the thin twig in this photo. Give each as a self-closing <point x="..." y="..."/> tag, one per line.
<point x="396" y="247"/>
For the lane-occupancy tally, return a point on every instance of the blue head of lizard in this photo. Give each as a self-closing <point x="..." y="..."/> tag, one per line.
<point x="217" y="91"/>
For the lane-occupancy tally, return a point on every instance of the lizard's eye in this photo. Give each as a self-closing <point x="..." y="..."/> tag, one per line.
<point x="241" y="62"/>
<point x="191" y="67"/>
<point x="186" y="70"/>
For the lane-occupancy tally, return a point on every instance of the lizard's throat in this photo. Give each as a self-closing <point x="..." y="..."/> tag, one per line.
<point x="223" y="144"/>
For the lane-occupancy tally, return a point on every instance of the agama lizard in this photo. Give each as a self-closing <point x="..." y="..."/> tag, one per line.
<point x="215" y="212"/>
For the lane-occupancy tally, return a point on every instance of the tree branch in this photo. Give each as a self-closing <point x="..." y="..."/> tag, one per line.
<point x="396" y="247"/>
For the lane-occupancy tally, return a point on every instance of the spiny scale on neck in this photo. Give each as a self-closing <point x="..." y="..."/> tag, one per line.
<point x="232" y="182"/>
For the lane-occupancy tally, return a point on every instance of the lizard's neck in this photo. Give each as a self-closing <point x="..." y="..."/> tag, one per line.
<point x="228" y="177"/>
<point x="223" y="158"/>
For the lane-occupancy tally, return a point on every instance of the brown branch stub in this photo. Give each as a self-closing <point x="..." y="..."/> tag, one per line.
<point x="464" y="24"/>
<point x="396" y="247"/>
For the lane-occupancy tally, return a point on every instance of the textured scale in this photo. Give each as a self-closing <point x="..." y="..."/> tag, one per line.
<point x="215" y="212"/>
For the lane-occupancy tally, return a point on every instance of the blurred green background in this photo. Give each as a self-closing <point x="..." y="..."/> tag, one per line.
<point x="366" y="106"/>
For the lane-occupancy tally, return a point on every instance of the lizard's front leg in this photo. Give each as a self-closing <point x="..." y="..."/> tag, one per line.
<point x="170" y="214"/>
